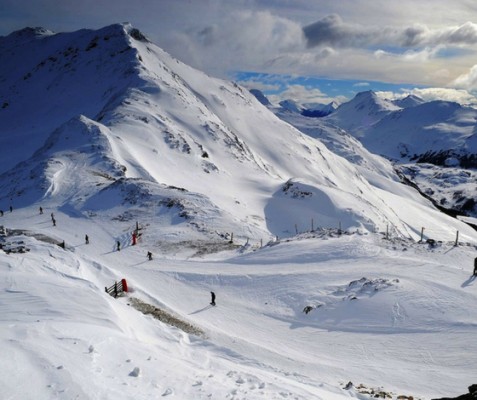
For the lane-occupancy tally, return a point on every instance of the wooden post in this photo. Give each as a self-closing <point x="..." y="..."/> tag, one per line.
<point x="296" y="229"/>
<point x="231" y="237"/>
<point x="261" y="242"/>
<point x="422" y="235"/>
<point x="457" y="239"/>
<point x="339" y="229"/>
<point x="387" y="232"/>
<point x="312" y="228"/>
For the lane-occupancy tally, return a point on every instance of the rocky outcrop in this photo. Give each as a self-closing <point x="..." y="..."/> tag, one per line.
<point x="472" y="395"/>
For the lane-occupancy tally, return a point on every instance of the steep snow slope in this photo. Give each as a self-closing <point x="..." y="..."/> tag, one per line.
<point x="145" y="123"/>
<point x="49" y="78"/>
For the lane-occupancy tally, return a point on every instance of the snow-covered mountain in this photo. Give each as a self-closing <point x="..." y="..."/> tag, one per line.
<point x="291" y="105"/>
<point x="409" y="101"/>
<point x="104" y="134"/>
<point x="438" y="133"/>
<point x="361" y="113"/>
<point x="313" y="110"/>
<point x="133" y="117"/>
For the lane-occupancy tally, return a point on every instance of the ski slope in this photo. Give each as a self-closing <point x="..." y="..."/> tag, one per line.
<point x="389" y="313"/>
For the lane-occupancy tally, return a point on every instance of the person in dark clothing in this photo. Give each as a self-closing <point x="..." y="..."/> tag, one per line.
<point x="149" y="255"/>
<point x="86" y="239"/>
<point x="54" y="222"/>
<point x="213" y="298"/>
<point x="475" y="266"/>
<point x="118" y="245"/>
<point x="41" y="210"/>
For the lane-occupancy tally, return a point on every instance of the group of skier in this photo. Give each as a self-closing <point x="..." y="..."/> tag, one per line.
<point x="135" y="236"/>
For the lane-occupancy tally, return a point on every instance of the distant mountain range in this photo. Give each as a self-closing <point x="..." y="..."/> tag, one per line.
<point x="433" y="144"/>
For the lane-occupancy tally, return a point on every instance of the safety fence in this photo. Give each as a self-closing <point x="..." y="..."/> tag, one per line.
<point x="117" y="288"/>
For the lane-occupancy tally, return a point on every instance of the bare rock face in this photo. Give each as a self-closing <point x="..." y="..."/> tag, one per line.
<point x="472" y="395"/>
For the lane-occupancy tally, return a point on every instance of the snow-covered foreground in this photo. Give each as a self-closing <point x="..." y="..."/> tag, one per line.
<point x="387" y="313"/>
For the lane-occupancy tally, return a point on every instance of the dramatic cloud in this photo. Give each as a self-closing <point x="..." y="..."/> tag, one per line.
<point x="467" y="81"/>
<point x="242" y="41"/>
<point x="333" y="31"/>
<point x="304" y="94"/>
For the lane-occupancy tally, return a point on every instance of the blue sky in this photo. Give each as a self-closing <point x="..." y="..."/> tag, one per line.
<point x="311" y="49"/>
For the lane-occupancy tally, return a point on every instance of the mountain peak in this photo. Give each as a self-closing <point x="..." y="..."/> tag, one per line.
<point x="24" y="35"/>
<point x="30" y="32"/>
<point x="363" y="111"/>
<point x="291" y="105"/>
<point x="124" y="27"/>
<point x="409" y="101"/>
<point x="260" y="96"/>
<point x="366" y="94"/>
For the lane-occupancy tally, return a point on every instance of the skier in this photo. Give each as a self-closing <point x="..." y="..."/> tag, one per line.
<point x="118" y="245"/>
<point x="41" y="210"/>
<point x="149" y="255"/>
<point x="86" y="239"/>
<point x="475" y="266"/>
<point x="212" y="303"/>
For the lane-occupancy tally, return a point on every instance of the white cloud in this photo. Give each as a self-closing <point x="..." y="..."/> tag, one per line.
<point x="243" y="40"/>
<point x="257" y="83"/>
<point x="361" y="84"/>
<point x="333" y="31"/>
<point x="303" y="95"/>
<point x="430" y="94"/>
<point x="468" y="80"/>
